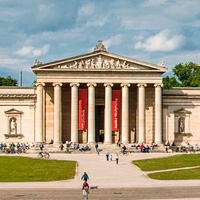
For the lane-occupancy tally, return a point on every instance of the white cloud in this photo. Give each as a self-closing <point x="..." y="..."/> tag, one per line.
<point x="162" y="42"/>
<point x="154" y="2"/>
<point x="86" y="11"/>
<point x="114" y="40"/>
<point x="31" y="51"/>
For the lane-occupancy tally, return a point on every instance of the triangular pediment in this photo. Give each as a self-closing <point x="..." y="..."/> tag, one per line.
<point x="182" y="111"/>
<point x="13" y="111"/>
<point x="101" y="60"/>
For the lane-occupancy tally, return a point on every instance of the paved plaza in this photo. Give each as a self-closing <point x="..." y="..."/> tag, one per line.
<point x="105" y="174"/>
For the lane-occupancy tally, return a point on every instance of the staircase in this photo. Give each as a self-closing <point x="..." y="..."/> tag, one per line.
<point x="112" y="148"/>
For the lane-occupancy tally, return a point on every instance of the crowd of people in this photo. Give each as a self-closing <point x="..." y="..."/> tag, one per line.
<point x="15" y="147"/>
<point x="187" y="148"/>
<point x="74" y="146"/>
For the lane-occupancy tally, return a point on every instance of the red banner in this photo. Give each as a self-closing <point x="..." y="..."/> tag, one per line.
<point x="83" y="109"/>
<point x="116" y="106"/>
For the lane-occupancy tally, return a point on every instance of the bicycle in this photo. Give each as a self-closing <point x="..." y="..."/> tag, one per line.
<point x="43" y="155"/>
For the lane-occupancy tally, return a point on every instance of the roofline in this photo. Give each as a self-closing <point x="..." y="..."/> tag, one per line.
<point x="103" y="53"/>
<point x="182" y="88"/>
<point x="16" y="87"/>
<point x="99" y="70"/>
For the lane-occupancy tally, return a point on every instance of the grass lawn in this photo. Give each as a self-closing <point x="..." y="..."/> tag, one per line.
<point x="23" y="169"/>
<point x="177" y="175"/>
<point x="185" y="160"/>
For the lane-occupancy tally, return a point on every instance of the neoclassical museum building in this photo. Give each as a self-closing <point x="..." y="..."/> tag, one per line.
<point x="99" y="97"/>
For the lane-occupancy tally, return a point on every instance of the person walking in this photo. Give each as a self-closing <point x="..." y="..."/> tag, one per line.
<point x="85" y="189"/>
<point x="107" y="155"/>
<point x="97" y="148"/>
<point x="110" y="157"/>
<point x="85" y="177"/>
<point x="117" y="158"/>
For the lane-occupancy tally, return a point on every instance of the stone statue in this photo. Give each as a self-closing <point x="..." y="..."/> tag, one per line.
<point x="112" y="64"/>
<point x="87" y="63"/>
<point x="81" y="64"/>
<point x="13" y="127"/>
<point x="106" y="64"/>
<point x="162" y="63"/>
<point x="124" y="65"/>
<point x="181" y="125"/>
<point x="37" y="62"/>
<point x="92" y="63"/>
<point x="117" y="65"/>
<point x="99" y="63"/>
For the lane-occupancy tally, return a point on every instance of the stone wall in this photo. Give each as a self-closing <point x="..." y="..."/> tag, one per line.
<point x="179" y="102"/>
<point x="17" y="102"/>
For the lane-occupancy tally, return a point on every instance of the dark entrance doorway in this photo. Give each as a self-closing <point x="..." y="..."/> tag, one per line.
<point x="99" y="123"/>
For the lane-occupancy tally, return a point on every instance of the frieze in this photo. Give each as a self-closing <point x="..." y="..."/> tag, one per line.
<point x="17" y="95"/>
<point x="99" y="62"/>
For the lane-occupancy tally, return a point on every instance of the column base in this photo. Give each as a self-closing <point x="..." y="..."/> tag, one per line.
<point x="56" y="143"/>
<point x="91" y="143"/>
<point x="140" y="142"/>
<point x="107" y="142"/>
<point x="158" y="142"/>
<point x="125" y="142"/>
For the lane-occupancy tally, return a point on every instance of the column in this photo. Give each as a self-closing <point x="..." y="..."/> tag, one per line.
<point x="158" y="113"/>
<point x="57" y="113"/>
<point x="141" y="101"/>
<point x="91" y="112"/>
<point x="44" y="115"/>
<point x="39" y="113"/>
<point x="74" y="112"/>
<point x="125" y="113"/>
<point x="108" y="113"/>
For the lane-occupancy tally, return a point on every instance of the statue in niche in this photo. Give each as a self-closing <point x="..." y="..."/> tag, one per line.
<point x="81" y="64"/>
<point x="99" y="63"/>
<point x="182" y="125"/>
<point x="13" y="127"/>
<point x="92" y="63"/>
<point x="112" y="64"/>
<point x="118" y="65"/>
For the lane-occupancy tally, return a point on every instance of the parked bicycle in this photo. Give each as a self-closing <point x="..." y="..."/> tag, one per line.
<point x="43" y="155"/>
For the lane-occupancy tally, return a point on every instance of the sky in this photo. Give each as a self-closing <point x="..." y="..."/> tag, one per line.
<point x="49" y="30"/>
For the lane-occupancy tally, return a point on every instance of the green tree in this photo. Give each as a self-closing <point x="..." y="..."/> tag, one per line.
<point x="8" y="81"/>
<point x="170" y="82"/>
<point x="188" y="75"/>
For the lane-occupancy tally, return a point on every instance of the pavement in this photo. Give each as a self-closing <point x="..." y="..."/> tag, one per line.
<point x="105" y="174"/>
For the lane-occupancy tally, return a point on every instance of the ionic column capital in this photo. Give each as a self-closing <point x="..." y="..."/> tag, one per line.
<point x="74" y="84"/>
<point x="92" y="84"/>
<point x="141" y="85"/>
<point x="40" y="83"/>
<point x="59" y="84"/>
<point x="108" y="84"/>
<point x="125" y="84"/>
<point x="158" y="85"/>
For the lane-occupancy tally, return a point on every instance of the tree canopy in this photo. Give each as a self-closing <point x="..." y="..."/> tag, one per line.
<point x="8" y="81"/>
<point x="187" y="75"/>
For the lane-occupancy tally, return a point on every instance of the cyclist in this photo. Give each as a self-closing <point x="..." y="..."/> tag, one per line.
<point x="41" y="147"/>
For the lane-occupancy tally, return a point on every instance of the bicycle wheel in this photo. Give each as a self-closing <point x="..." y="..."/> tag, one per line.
<point x="46" y="155"/>
<point x="39" y="155"/>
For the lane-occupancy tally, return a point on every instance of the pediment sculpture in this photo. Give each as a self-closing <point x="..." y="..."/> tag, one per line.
<point x="99" y="62"/>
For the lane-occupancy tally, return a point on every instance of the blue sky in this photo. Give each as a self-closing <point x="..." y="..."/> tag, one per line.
<point x="49" y="30"/>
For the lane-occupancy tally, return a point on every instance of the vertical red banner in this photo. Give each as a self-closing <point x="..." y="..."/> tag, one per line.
<point x="83" y="108"/>
<point x="116" y="106"/>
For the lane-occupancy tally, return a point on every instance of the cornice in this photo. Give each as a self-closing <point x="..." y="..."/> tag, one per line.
<point x="18" y="95"/>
